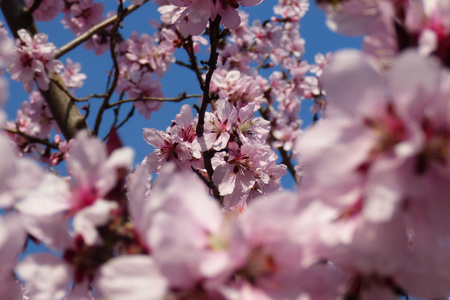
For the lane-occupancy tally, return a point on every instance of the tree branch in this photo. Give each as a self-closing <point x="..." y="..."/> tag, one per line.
<point x="17" y="17"/>
<point x="214" y="36"/>
<point x="75" y="99"/>
<point x="36" y="3"/>
<point x="31" y="139"/>
<point x="179" y="98"/>
<point x="189" y="47"/>
<point x="64" y="111"/>
<point x="88" y="34"/>
<point x="189" y="66"/>
<point x="116" y="69"/>
<point x="287" y="161"/>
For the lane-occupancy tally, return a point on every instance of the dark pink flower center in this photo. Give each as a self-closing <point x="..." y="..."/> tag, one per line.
<point x="435" y="150"/>
<point x="260" y="264"/>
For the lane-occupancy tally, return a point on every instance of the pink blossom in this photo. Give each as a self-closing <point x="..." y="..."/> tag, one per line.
<point x="390" y="166"/>
<point x="49" y="195"/>
<point x="192" y="244"/>
<point x="169" y="14"/>
<point x="4" y="93"/>
<point x="292" y="10"/>
<point x="72" y="76"/>
<point x="138" y="195"/>
<point x="47" y="10"/>
<point x="267" y="37"/>
<point x="77" y="266"/>
<point x="34" y="270"/>
<point x="32" y="60"/>
<point x="292" y="44"/>
<point x="249" y="128"/>
<point x="178" y="144"/>
<point x="26" y="187"/>
<point x="219" y="125"/>
<point x="33" y="118"/>
<point x="276" y="266"/>
<point x="12" y="239"/>
<point x="167" y="149"/>
<point x="320" y="62"/>
<point x="247" y="171"/>
<point x="429" y="24"/>
<point x="46" y="276"/>
<point x="6" y="45"/>
<point x="285" y="120"/>
<point x="81" y="15"/>
<point x="199" y="12"/>
<point x="135" y="276"/>
<point x="141" y="58"/>
<point x="352" y="17"/>
<point x="146" y="86"/>
<point x="63" y="147"/>
<point x="49" y="227"/>
<point x="145" y="51"/>
<point x="90" y="218"/>
<point x="238" y="88"/>
<point x="183" y="130"/>
<point x="233" y="58"/>
<point x="285" y="132"/>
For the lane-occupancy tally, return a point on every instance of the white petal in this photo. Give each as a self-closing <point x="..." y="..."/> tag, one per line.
<point x="86" y="221"/>
<point x="413" y="90"/>
<point x="46" y="276"/>
<point x="353" y="85"/>
<point x="131" y="277"/>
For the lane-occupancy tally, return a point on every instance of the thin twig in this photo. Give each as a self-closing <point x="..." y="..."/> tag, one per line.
<point x="75" y="99"/>
<point x="31" y="139"/>
<point x="183" y="64"/>
<point x="214" y="33"/>
<point x="286" y="158"/>
<point x="214" y="36"/>
<point x="64" y="111"/>
<point x="87" y="109"/>
<point x="116" y="116"/>
<point x="113" y="36"/>
<point x="179" y="98"/>
<point x="89" y="33"/>
<point x="189" y="47"/>
<point x="287" y="161"/>
<point x="128" y="117"/>
<point x="263" y="63"/>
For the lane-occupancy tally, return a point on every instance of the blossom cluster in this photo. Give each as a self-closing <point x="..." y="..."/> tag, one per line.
<point x="195" y="14"/>
<point x="418" y="23"/>
<point x="141" y="58"/>
<point x="33" y="59"/>
<point x="244" y="167"/>
<point x="34" y="119"/>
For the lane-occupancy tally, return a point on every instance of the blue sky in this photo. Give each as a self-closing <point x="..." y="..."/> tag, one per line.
<point x="313" y="29"/>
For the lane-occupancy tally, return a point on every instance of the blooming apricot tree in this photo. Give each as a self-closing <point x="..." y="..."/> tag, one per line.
<point x="203" y="216"/>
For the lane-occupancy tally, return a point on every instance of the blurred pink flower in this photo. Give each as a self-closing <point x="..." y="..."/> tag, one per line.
<point x="47" y="10"/>
<point x="94" y="172"/>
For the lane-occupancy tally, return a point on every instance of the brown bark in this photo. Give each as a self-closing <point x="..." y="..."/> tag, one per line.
<point x="64" y="111"/>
